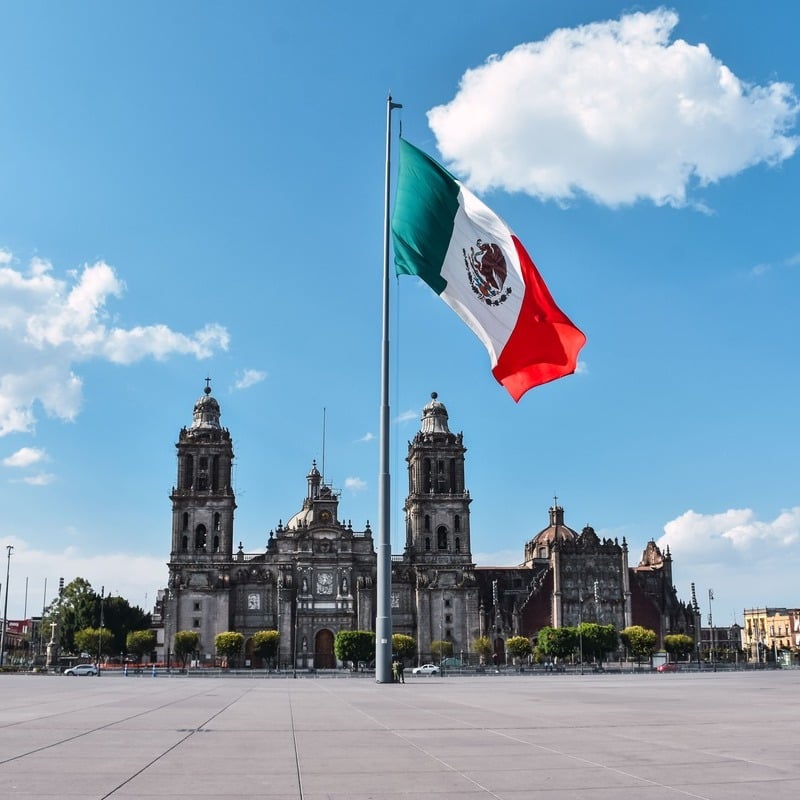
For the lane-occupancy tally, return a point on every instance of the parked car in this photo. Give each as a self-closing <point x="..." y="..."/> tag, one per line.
<point x="81" y="669"/>
<point x="426" y="669"/>
<point x="671" y="667"/>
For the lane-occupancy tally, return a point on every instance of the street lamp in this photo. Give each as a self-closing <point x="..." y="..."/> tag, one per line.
<point x="100" y="630"/>
<point x="711" y="625"/>
<point x="9" y="548"/>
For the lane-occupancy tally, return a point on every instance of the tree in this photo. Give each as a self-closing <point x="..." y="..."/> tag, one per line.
<point x="404" y="646"/>
<point x="557" y="642"/>
<point x="184" y="644"/>
<point x="678" y="645"/>
<point x="640" y="641"/>
<point x="121" y="618"/>
<point x="354" y="646"/>
<point x="483" y="647"/>
<point x="441" y="648"/>
<point x="519" y="647"/>
<point x="95" y="641"/>
<point x="265" y="644"/>
<point x="140" y="643"/>
<point x="72" y="610"/>
<point x="228" y="644"/>
<point x="597" y="640"/>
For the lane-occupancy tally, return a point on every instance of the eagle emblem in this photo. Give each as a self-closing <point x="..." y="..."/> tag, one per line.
<point x="487" y="272"/>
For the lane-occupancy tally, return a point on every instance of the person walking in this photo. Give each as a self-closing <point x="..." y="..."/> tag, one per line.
<point x="400" y="669"/>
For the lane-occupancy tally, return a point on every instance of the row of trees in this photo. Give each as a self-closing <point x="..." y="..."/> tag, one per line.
<point x="589" y="640"/>
<point x="78" y="612"/>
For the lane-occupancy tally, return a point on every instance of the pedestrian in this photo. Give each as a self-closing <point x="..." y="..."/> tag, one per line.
<point x="400" y="669"/>
<point x="395" y="671"/>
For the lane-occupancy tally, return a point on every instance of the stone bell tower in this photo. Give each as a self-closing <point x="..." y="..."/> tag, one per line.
<point x="203" y="505"/>
<point x="437" y="506"/>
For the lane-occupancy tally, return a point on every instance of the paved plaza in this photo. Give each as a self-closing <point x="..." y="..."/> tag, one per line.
<point x="723" y="736"/>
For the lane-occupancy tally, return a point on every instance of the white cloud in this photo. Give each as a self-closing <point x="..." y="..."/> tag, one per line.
<point x="248" y="378"/>
<point x="49" y="325"/>
<point x="355" y="484"/>
<point x="134" y="576"/>
<point x="42" y="479"/>
<point x="25" y="457"/>
<point x="615" y="110"/>
<point x="407" y="416"/>
<point x="367" y="437"/>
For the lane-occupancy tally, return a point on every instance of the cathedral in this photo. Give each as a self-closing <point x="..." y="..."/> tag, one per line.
<point x="317" y="575"/>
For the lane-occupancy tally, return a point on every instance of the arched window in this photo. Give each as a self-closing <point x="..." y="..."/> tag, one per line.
<point x="427" y="522"/>
<point x="216" y="522"/>
<point x="185" y="521"/>
<point x="427" y="543"/>
<point x="458" y="544"/>
<point x="441" y="537"/>
<point x="216" y="544"/>
<point x="185" y="543"/>
<point x="457" y="523"/>
<point x="188" y="477"/>
<point x="200" y="537"/>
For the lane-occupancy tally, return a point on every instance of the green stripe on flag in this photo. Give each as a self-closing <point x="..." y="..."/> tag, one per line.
<point x="425" y="206"/>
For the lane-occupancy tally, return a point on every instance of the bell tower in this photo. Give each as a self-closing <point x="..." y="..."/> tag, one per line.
<point x="202" y="500"/>
<point x="437" y="506"/>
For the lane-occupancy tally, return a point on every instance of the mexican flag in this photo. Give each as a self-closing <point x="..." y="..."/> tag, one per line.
<point x="447" y="237"/>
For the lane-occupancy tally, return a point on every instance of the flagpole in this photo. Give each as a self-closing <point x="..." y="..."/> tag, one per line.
<point x="383" y="621"/>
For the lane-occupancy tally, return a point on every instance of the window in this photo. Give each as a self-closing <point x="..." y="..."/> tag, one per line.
<point x="457" y="523"/>
<point x="202" y="473"/>
<point x="427" y="543"/>
<point x="458" y="544"/>
<point x="188" y="477"/>
<point x="195" y="623"/>
<point x="441" y="538"/>
<point x="427" y="522"/>
<point x="216" y="521"/>
<point x="448" y="618"/>
<point x="216" y="544"/>
<point x="200" y="537"/>
<point x="197" y="606"/>
<point x="185" y="521"/>
<point x="185" y="543"/>
<point x="447" y="603"/>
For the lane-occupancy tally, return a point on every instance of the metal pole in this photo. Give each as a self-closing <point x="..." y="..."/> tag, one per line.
<point x="9" y="548"/>
<point x="383" y="621"/>
<point x="100" y="631"/>
<point x="711" y="625"/>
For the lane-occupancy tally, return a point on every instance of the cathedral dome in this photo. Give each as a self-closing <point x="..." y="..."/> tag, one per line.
<point x="206" y="411"/>
<point x="434" y="416"/>
<point x="556" y="531"/>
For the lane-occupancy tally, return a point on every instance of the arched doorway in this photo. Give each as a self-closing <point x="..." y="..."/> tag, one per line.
<point x="323" y="650"/>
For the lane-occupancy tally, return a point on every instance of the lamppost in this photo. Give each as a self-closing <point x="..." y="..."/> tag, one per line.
<point x="580" y="625"/>
<point x="711" y="626"/>
<point x="9" y="548"/>
<point x="100" y="631"/>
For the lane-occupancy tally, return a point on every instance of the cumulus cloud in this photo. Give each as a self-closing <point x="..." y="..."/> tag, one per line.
<point x="618" y="111"/>
<point x="355" y="484"/>
<point x="49" y="325"/>
<point x="248" y="378"/>
<point x="737" y="532"/>
<point x="25" y="457"/>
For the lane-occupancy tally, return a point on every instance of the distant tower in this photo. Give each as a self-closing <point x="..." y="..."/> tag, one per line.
<point x="203" y="504"/>
<point x="437" y="506"/>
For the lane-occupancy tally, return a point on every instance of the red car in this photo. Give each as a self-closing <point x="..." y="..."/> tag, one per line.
<point x="670" y="667"/>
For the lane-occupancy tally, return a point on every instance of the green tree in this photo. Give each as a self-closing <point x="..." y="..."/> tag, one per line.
<point x="140" y="643"/>
<point x="228" y="644"/>
<point x="557" y="643"/>
<point x="71" y="611"/>
<point x="678" y="645"/>
<point x="121" y="618"/>
<point x="519" y="647"/>
<point x="184" y="644"/>
<point x="354" y="646"/>
<point x="483" y="647"/>
<point x="597" y="640"/>
<point x="441" y="648"/>
<point x="640" y="641"/>
<point x="405" y="646"/>
<point x="265" y="645"/>
<point x="94" y="641"/>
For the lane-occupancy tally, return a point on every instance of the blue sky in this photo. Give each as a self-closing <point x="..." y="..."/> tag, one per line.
<point x="196" y="189"/>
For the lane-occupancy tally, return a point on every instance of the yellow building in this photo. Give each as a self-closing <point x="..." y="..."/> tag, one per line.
<point x="767" y="634"/>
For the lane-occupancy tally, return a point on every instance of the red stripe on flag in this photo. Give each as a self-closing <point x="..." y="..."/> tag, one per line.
<point x="544" y="344"/>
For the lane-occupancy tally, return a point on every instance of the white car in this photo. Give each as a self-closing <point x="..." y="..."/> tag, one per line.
<point x="81" y="669"/>
<point x="426" y="669"/>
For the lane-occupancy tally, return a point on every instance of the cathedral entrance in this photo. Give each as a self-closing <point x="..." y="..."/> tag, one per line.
<point x="323" y="650"/>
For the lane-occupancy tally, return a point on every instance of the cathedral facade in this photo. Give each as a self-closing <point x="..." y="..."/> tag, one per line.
<point x="317" y="575"/>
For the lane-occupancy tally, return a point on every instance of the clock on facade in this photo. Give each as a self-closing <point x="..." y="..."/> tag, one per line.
<point x="253" y="602"/>
<point x="324" y="583"/>
<point x="325" y="516"/>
